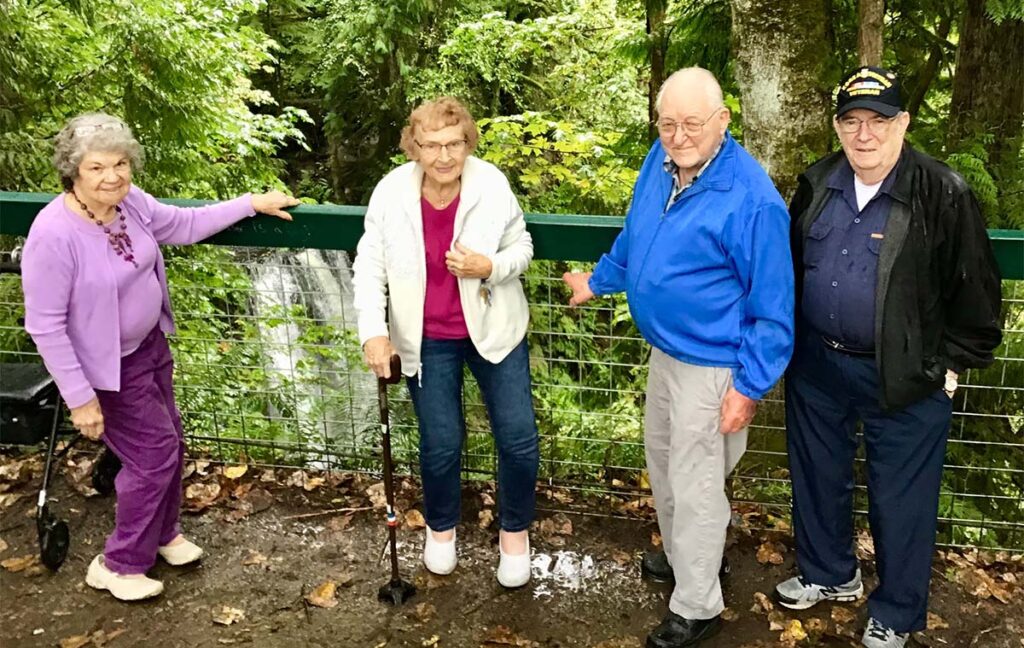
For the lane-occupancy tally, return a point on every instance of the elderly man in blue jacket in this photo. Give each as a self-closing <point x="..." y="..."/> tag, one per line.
<point x="705" y="264"/>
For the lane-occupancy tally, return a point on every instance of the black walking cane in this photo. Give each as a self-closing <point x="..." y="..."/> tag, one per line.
<point x="397" y="590"/>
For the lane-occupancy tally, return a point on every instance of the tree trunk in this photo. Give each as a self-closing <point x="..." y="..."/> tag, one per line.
<point x="781" y="58"/>
<point x="656" y="38"/>
<point x="869" y="31"/>
<point x="928" y="72"/>
<point x="988" y="87"/>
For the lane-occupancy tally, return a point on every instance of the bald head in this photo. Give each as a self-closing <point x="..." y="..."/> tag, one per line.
<point x="691" y="86"/>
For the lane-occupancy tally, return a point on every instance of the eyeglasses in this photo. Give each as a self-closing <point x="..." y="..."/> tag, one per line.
<point x="434" y="148"/>
<point x="877" y="125"/>
<point x="92" y="128"/>
<point x="691" y="127"/>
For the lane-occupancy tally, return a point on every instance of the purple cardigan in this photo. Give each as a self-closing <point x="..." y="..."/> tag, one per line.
<point x="71" y="301"/>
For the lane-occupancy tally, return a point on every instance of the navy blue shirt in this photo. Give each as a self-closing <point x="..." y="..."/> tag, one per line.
<point x="841" y="261"/>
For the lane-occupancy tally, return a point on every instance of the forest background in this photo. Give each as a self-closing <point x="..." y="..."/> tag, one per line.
<point x="310" y="95"/>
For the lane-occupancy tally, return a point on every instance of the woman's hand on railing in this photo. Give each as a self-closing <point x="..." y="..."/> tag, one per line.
<point x="88" y="419"/>
<point x="273" y="204"/>
<point x="579" y="283"/>
<point x="377" y="352"/>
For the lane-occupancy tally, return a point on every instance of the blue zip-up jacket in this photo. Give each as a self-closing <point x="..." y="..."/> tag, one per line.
<point x="709" y="280"/>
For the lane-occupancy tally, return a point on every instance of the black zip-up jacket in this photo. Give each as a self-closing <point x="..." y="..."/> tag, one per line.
<point x="937" y="300"/>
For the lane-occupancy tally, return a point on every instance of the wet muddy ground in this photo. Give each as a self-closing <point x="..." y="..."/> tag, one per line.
<point x="263" y="560"/>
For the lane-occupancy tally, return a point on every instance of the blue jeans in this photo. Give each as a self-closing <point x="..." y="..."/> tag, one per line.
<point x="826" y="393"/>
<point x="437" y="399"/>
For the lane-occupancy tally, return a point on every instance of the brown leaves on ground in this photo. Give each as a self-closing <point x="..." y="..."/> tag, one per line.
<point x="226" y="615"/>
<point x="323" y="595"/>
<point x="729" y="614"/>
<point x="253" y="557"/>
<point x="98" y="639"/>
<point x="622" y="642"/>
<point x="935" y="622"/>
<point x="762" y="604"/>
<point x="770" y="553"/>
<point x="200" y="496"/>
<point x="504" y="636"/>
<point x="247" y="499"/>
<point x="484" y="518"/>
<point x="376" y="494"/>
<point x="17" y="471"/>
<point x="642" y="507"/>
<point x="984" y="574"/>
<point x="424" y="612"/>
<point x="414" y="520"/>
<point x="21" y="563"/>
<point x="79" y="473"/>
<point x="793" y="633"/>
<point x="554" y="529"/>
<point x="842" y="614"/>
<point x="3" y="546"/>
<point x="622" y="558"/>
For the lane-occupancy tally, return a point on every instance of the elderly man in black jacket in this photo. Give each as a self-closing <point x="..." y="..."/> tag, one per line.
<point x="897" y="293"/>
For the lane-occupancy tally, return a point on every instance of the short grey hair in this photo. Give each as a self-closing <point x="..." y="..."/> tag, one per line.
<point x="711" y="85"/>
<point x="93" y="132"/>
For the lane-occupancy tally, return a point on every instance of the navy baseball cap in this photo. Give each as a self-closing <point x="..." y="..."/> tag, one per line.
<point x="872" y="88"/>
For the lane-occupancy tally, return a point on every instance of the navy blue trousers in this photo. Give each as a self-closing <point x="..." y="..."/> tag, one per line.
<point x="827" y="392"/>
<point x="437" y="399"/>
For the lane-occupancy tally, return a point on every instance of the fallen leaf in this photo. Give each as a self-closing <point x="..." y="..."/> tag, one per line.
<point x="101" y="638"/>
<point x="728" y="614"/>
<point x="414" y="520"/>
<point x="201" y="467"/>
<point x="816" y="625"/>
<point x="843" y="615"/>
<point x="424" y="612"/>
<point x="484" y="518"/>
<point x="655" y="539"/>
<point x="234" y="472"/>
<point x="3" y="545"/>
<point x="79" y="472"/>
<point x="935" y="622"/>
<point x="486" y="499"/>
<point x="7" y="499"/>
<point x="776" y="621"/>
<point x="770" y="553"/>
<point x="427" y="643"/>
<point x="296" y="479"/>
<point x="200" y="496"/>
<point x="865" y="545"/>
<point x="793" y="633"/>
<point x="376" y="495"/>
<point x="21" y="563"/>
<point x="622" y="558"/>
<point x="254" y="557"/>
<point x="560" y="495"/>
<point x="313" y="483"/>
<point x="339" y="522"/>
<point x="227" y="615"/>
<point x="268" y="476"/>
<point x="762" y="603"/>
<point x="75" y="641"/>
<point x="503" y="636"/>
<point x="323" y="595"/>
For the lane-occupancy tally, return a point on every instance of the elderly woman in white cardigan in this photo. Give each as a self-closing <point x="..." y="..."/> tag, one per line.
<point x="443" y="248"/>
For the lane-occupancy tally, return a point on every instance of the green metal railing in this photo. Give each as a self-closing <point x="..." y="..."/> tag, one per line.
<point x="269" y="371"/>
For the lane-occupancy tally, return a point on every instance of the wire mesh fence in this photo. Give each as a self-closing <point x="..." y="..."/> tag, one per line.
<point x="269" y="371"/>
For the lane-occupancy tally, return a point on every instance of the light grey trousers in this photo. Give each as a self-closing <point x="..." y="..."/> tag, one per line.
<point x="688" y="459"/>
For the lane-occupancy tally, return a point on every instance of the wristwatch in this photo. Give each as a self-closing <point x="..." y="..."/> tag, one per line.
<point x="951" y="383"/>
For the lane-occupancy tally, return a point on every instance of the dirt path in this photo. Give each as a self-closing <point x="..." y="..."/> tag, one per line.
<point x="586" y="590"/>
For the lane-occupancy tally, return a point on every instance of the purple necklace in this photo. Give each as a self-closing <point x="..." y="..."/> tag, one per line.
<point x="120" y="241"/>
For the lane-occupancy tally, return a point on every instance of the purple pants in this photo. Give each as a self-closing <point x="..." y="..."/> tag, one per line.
<point x="142" y="426"/>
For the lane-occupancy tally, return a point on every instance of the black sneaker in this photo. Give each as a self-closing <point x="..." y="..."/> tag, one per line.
<point x="677" y="632"/>
<point x="655" y="567"/>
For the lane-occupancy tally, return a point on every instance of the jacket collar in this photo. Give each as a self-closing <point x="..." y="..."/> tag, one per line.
<point x="719" y="175"/>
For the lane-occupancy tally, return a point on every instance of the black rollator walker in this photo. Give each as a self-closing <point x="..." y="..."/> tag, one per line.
<point x="29" y="400"/>
<point x="397" y="591"/>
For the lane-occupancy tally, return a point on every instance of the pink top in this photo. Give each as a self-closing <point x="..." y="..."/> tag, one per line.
<point x="442" y="308"/>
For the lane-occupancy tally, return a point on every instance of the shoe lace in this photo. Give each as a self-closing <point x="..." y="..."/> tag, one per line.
<point x="878" y="631"/>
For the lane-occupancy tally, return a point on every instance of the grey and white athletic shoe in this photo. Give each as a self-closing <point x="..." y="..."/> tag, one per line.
<point x="878" y="636"/>
<point x="798" y="594"/>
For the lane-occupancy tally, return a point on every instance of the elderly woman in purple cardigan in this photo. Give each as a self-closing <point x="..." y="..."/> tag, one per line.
<point x="97" y="307"/>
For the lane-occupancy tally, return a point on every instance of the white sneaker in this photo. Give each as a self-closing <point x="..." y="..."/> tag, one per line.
<point x="124" y="588"/>
<point x="439" y="557"/>
<point x="182" y="553"/>
<point x="799" y="594"/>
<point x="879" y="636"/>
<point x="514" y="569"/>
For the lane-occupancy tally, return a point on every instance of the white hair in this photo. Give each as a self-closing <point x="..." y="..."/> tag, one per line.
<point x="93" y="132"/>
<point x="711" y="86"/>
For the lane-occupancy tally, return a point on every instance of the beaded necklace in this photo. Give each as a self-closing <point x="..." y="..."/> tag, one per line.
<point x="120" y="241"/>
